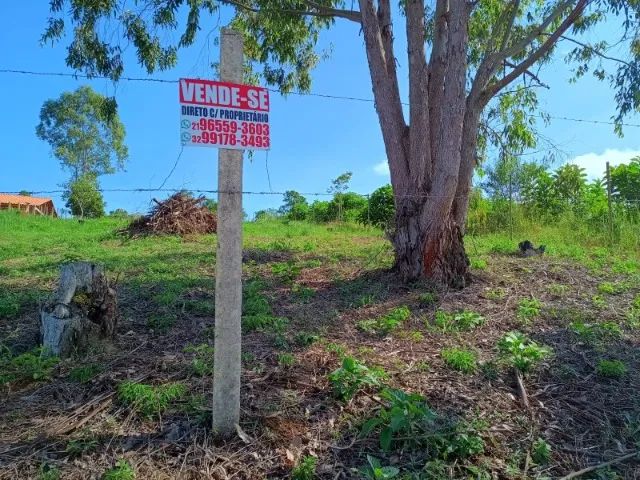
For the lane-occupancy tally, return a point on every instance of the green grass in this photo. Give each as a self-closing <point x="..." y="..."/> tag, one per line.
<point x="460" y="359"/>
<point x="202" y="361"/>
<point x="611" y="368"/>
<point x="31" y="366"/>
<point x="150" y="400"/>
<point x="85" y="373"/>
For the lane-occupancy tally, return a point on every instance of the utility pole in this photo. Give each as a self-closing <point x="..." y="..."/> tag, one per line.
<point x="227" y="356"/>
<point x="609" y="204"/>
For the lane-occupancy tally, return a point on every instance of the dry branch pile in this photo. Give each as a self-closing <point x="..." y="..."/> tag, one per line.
<point x="180" y="214"/>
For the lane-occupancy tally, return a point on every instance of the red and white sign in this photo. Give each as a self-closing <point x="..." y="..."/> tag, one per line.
<point x="224" y="115"/>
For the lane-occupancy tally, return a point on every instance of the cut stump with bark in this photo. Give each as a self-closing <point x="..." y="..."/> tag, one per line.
<point x="83" y="309"/>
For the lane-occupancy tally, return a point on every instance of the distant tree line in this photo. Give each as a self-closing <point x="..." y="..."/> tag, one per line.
<point x="512" y="192"/>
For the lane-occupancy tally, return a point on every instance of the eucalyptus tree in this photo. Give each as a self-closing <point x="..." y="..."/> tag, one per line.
<point x="460" y="56"/>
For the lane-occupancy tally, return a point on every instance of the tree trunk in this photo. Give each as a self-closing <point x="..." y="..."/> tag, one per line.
<point x="431" y="246"/>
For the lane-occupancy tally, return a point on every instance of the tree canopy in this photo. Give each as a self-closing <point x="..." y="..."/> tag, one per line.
<point x="84" y="131"/>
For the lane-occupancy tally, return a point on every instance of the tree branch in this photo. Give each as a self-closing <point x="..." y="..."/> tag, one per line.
<point x="540" y="51"/>
<point x="385" y="92"/>
<point x="315" y="10"/>
<point x="599" y="53"/>
<point x="419" y="133"/>
<point x="526" y="41"/>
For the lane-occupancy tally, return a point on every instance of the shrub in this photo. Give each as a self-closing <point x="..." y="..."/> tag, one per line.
<point x="407" y="419"/>
<point x="354" y="376"/>
<point x="381" y="208"/>
<point x="460" y="359"/>
<point x="521" y="352"/>
<point x="83" y="197"/>
<point x="77" y="447"/>
<point x="611" y="368"/>
<point x="150" y="400"/>
<point x="596" y="332"/>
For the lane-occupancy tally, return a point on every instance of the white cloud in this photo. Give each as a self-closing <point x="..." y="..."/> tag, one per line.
<point x="595" y="164"/>
<point x="381" y="168"/>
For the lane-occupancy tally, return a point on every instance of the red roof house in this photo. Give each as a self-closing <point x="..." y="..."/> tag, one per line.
<point x="24" y="203"/>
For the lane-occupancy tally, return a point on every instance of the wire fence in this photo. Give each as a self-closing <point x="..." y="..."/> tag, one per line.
<point x="74" y="75"/>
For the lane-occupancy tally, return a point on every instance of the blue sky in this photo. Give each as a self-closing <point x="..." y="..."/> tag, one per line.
<point x="313" y="139"/>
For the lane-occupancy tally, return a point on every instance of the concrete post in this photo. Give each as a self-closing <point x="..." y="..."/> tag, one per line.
<point x="227" y="357"/>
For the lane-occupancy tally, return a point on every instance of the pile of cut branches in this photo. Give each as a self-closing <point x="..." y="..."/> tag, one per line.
<point x="180" y="214"/>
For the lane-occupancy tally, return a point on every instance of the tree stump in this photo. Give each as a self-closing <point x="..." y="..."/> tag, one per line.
<point x="83" y="308"/>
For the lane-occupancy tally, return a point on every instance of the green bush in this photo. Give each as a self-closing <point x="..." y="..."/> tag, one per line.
<point x="407" y="416"/>
<point x="83" y="197"/>
<point x="381" y="208"/>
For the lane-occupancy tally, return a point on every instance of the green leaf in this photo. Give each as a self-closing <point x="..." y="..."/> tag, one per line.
<point x="386" y="437"/>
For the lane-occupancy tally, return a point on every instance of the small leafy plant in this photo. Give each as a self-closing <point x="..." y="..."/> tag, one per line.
<point x="407" y="415"/>
<point x="202" y="361"/>
<point x="287" y="271"/>
<point x="528" y="309"/>
<point x="77" y="447"/>
<point x="305" y="339"/>
<point x="540" y="452"/>
<point x="611" y="368"/>
<point x="374" y="470"/>
<point x="354" y="376"/>
<point x="305" y="469"/>
<point x="460" y="359"/>
<point x="150" y="400"/>
<point x="122" y="471"/>
<point x="460" y="321"/>
<point x="286" y="360"/>
<point x="521" y="352"/>
<point x="386" y="323"/>
<point x="595" y="333"/>
<point x="48" y="472"/>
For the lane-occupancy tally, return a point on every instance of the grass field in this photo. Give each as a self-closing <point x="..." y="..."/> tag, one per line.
<point x="347" y="373"/>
